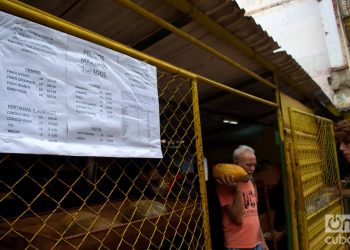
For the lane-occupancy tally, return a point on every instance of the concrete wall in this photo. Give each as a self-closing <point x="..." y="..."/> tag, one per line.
<point x="309" y="31"/>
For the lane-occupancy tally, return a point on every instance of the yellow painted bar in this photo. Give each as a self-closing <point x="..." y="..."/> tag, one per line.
<point x="284" y="170"/>
<point x="305" y="113"/>
<point x="17" y="8"/>
<point x="235" y="91"/>
<point x="145" y="13"/>
<point x="301" y="214"/>
<point x="291" y="196"/>
<point x="279" y="108"/>
<point x="333" y="110"/>
<point x="200" y="158"/>
<point x="190" y="9"/>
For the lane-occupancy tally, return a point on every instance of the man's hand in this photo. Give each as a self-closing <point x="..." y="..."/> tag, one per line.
<point x="227" y="180"/>
<point x="265" y="247"/>
<point x="263" y="241"/>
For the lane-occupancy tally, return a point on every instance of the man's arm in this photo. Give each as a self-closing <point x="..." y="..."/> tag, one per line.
<point x="235" y="208"/>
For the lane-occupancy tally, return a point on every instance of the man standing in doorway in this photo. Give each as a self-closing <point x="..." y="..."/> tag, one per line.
<point x="238" y="202"/>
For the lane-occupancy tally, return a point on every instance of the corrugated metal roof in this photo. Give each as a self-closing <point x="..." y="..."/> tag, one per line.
<point x="111" y="19"/>
<point x="229" y="15"/>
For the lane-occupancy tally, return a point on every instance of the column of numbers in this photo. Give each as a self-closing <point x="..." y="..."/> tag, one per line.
<point x="47" y="88"/>
<point x="105" y="105"/>
<point x="41" y="128"/>
<point x="52" y="131"/>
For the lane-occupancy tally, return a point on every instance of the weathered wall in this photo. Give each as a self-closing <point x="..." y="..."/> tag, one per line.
<point x="308" y="30"/>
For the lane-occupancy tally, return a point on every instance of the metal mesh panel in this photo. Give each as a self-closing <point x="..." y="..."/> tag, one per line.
<point x="63" y="202"/>
<point x="316" y="166"/>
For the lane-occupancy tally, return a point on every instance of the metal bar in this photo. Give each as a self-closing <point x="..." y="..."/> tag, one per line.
<point x="315" y="116"/>
<point x="279" y="108"/>
<point x="145" y="13"/>
<point x="235" y="91"/>
<point x="17" y="8"/>
<point x="311" y="216"/>
<point x="286" y="197"/>
<point x="204" y="20"/>
<point x="301" y="213"/>
<point x="292" y="196"/>
<point x="331" y="108"/>
<point x="283" y="168"/>
<point x="200" y="158"/>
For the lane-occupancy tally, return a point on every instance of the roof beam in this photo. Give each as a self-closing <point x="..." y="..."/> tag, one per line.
<point x="150" y="16"/>
<point x="189" y="8"/>
<point x="160" y="33"/>
<point x="239" y="86"/>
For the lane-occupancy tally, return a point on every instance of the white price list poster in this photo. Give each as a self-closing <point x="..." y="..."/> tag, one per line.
<point x="66" y="96"/>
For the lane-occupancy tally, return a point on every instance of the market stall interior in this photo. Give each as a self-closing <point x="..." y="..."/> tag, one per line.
<point x="212" y="39"/>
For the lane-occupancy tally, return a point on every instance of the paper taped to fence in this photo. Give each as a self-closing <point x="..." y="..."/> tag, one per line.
<point x="63" y="95"/>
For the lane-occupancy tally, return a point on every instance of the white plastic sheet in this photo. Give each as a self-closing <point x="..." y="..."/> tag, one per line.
<point x="63" y="95"/>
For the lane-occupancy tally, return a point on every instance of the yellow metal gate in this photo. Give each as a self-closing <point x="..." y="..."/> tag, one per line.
<point x="316" y="179"/>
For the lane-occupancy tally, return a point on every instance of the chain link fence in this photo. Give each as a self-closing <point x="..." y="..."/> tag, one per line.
<point x="66" y="202"/>
<point x="316" y="178"/>
<point x="316" y="165"/>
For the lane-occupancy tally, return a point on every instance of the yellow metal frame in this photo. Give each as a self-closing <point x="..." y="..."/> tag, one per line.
<point x="310" y="224"/>
<point x="302" y="230"/>
<point x="291" y="196"/>
<point x="190" y="9"/>
<point x="279" y="109"/>
<point x="292" y="242"/>
<point x="200" y="158"/>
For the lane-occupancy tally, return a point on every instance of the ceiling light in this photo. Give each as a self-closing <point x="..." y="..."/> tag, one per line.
<point x="229" y="121"/>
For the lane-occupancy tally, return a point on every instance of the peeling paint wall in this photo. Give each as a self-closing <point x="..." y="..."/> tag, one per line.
<point x="310" y="32"/>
